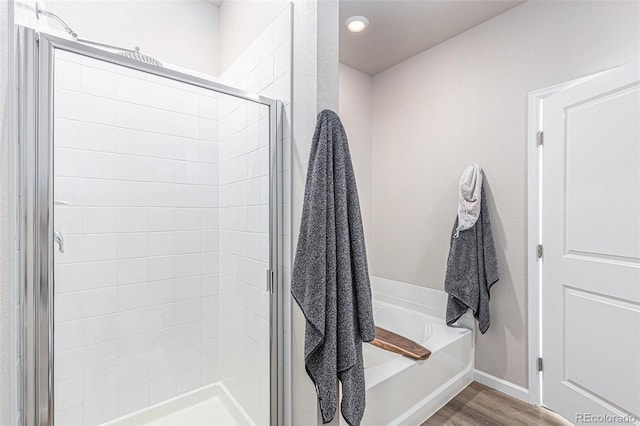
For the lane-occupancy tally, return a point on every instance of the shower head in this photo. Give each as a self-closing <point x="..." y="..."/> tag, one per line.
<point x="141" y="57"/>
<point x="127" y="53"/>
<point x="67" y="28"/>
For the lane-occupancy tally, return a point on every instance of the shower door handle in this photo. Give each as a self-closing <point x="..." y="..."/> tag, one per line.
<point x="57" y="235"/>
<point x="270" y="280"/>
<point x="58" y="238"/>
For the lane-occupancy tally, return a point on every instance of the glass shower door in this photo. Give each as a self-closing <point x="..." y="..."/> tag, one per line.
<point x="162" y="224"/>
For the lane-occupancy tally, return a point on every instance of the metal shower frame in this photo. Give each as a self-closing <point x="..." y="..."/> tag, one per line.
<point x="35" y="83"/>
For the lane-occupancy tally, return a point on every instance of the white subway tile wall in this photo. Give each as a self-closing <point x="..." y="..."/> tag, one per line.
<point x="265" y="68"/>
<point x="137" y="288"/>
<point x="162" y="286"/>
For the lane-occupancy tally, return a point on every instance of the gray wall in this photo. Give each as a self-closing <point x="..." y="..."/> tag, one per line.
<point x="465" y="101"/>
<point x="355" y="112"/>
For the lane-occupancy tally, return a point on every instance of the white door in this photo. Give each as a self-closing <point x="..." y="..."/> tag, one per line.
<point x="591" y="238"/>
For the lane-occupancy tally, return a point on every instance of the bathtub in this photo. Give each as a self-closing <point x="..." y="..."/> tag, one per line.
<point x="402" y="391"/>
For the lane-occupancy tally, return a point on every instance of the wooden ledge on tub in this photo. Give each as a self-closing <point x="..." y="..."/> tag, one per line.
<point x="392" y="342"/>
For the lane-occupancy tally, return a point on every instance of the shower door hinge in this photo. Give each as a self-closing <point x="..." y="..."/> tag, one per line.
<point x="540" y="364"/>
<point x="539" y="251"/>
<point x="540" y="138"/>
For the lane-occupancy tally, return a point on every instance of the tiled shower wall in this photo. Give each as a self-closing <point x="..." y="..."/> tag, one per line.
<point x="265" y="68"/>
<point x="244" y="254"/>
<point x="136" y="290"/>
<point x="137" y="308"/>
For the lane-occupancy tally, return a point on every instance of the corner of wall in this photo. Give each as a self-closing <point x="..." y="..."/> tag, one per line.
<point x="315" y="87"/>
<point x="355" y="112"/>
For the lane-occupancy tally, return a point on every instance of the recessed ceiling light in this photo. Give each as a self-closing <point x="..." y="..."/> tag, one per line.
<point x="356" y="24"/>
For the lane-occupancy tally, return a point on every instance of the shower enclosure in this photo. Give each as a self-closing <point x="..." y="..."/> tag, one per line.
<point x="149" y="249"/>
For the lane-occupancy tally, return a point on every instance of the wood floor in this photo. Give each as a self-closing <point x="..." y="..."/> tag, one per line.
<point x="481" y="405"/>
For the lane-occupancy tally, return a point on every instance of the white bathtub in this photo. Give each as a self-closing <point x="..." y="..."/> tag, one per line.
<point x="404" y="391"/>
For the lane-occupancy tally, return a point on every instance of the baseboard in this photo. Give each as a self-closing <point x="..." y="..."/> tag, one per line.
<point x="501" y="385"/>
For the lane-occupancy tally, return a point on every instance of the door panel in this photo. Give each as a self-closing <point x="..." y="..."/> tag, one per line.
<point x="589" y="341"/>
<point x="162" y="203"/>
<point x="600" y="133"/>
<point x="591" y="235"/>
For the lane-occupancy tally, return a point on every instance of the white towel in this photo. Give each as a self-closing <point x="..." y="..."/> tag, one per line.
<point x="469" y="198"/>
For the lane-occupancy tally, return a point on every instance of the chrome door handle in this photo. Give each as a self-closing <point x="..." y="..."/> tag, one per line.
<point x="57" y="236"/>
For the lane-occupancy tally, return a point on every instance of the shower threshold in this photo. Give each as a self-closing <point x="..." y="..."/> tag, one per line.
<point x="211" y="405"/>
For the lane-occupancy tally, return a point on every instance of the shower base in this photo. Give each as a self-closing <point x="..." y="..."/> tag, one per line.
<point x="208" y="406"/>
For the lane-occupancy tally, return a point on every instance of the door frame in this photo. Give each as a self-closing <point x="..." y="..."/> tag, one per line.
<point x="34" y="125"/>
<point x="534" y="231"/>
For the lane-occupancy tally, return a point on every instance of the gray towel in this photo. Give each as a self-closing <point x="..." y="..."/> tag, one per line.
<point x="330" y="278"/>
<point x="472" y="268"/>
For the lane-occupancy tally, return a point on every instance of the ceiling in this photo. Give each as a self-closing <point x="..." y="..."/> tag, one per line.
<point x="399" y="29"/>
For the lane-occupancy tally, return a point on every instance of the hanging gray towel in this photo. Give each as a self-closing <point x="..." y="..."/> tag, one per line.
<point x="472" y="268"/>
<point x="330" y="278"/>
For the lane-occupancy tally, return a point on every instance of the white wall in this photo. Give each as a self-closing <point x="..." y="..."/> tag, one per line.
<point x="241" y="22"/>
<point x="183" y="32"/>
<point x="465" y="101"/>
<point x="355" y="112"/>
<point x="136" y="315"/>
<point x="6" y="301"/>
